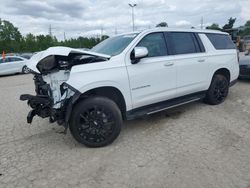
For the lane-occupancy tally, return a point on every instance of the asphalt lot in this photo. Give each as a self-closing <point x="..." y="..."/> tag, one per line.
<point x="192" y="146"/>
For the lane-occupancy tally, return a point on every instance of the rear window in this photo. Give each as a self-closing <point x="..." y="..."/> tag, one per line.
<point x="220" y="41"/>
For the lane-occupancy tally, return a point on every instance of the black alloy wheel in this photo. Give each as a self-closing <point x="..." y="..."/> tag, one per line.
<point x="218" y="90"/>
<point x="96" y="122"/>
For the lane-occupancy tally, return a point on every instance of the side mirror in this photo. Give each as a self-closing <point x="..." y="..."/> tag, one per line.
<point x="138" y="53"/>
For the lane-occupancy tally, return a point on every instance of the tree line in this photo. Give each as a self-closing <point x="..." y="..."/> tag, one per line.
<point x="12" y="41"/>
<point x="228" y="26"/>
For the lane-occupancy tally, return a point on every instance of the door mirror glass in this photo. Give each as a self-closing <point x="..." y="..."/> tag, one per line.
<point x="138" y="53"/>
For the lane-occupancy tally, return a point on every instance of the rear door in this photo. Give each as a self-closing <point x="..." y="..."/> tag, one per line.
<point x="190" y="61"/>
<point x="17" y="64"/>
<point x="153" y="79"/>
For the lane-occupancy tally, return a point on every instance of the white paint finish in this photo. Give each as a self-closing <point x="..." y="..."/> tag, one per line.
<point x="152" y="79"/>
<point x="192" y="73"/>
<point x="109" y="73"/>
<point x="12" y="67"/>
<point x="55" y="80"/>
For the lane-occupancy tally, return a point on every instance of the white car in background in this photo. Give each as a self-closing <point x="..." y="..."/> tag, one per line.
<point x="13" y="65"/>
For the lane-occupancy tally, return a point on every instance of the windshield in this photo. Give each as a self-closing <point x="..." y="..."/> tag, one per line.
<point x="114" y="45"/>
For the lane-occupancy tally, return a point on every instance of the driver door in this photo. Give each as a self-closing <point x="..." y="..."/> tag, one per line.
<point x="152" y="79"/>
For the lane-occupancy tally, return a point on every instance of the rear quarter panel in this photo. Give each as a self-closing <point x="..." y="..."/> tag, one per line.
<point x="218" y="59"/>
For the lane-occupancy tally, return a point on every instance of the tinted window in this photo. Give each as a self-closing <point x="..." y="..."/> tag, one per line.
<point x="155" y="43"/>
<point x="15" y="59"/>
<point x="184" y="43"/>
<point x="221" y="41"/>
<point x="7" y="60"/>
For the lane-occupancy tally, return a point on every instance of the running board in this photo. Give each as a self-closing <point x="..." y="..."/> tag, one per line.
<point x="165" y="105"/>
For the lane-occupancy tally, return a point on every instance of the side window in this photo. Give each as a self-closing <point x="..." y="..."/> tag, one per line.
<point x="184" y="43"/>
<point x="12" y="59"/>
<point x="221" y="41"/>
<point x="7" y="60"/>
<point x="1" y="61"/>
<point x="155" y="43"/>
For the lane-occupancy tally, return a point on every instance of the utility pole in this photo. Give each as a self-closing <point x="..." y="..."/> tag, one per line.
<point x="64" y="36"/>
<point x="133" y="17"/>
<point x="116" y="31"/>
<point x="50" y="31"/>
<point x="101" y="32"/>
<point x="202" y="22"/>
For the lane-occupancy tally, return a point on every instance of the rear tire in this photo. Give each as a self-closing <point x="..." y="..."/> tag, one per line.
<point x="218" y="90"/>
<point x="96" y="122"/>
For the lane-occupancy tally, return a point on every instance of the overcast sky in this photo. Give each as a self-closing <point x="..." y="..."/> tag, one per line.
<point x="87" y="17"/>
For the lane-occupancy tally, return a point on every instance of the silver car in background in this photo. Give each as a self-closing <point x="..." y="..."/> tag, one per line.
<point x="13" y="65"/>
<point x="245" y="67"/>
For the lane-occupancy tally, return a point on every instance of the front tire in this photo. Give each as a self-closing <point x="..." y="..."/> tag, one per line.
<point x="96" y="122"/>
<point x="218" y="90"/>
<point x="25" y="70"/>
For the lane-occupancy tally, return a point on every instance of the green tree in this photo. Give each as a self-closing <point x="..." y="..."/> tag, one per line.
<point x="162" y="24"/>
<point x="214" y="26"/>
<point x="246" y="30"/>
<point x="11" y="40"/>
<point x="230" y="24"/>
<point x="10" y="37"/>
<point x="29" y="43"/>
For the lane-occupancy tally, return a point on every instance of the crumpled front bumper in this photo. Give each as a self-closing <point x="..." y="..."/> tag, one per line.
<point x="40" y="106"/>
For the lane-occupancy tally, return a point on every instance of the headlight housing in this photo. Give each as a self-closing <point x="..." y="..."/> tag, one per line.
<point x="47" y="64"/>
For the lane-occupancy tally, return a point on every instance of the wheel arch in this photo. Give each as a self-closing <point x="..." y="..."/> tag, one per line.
<point x="111" y="92"/>
<point x="225" y="72"/>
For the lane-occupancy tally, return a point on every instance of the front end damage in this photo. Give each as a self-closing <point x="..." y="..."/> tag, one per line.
<point x="54" y="98"/>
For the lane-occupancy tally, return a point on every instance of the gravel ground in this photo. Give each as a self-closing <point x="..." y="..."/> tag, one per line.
<point x="192" y="146"/>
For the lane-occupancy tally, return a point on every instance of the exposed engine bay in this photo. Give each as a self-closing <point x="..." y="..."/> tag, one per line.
<point x="56" y="62"/>
<point x="54" y="96"/>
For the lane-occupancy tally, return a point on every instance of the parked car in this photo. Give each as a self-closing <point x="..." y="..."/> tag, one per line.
<point x="13" y="65"/>
<point x="246" y="40"/>
<point x="129" y="76"/>
<point x="245" y="67"/>
<point x="26" y="55"/>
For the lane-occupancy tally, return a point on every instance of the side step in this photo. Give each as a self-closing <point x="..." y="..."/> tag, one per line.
<point x="157" y="107"/>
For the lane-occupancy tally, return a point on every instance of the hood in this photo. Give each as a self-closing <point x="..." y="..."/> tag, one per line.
<point x="62" y="51"/>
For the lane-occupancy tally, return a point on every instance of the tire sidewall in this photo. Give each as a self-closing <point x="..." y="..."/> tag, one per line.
<point x="25" y="68"/>
<point x="104" y="103"/>
<point x="210" y="98"/>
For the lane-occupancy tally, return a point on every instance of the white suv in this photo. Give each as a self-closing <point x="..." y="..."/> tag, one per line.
<point x="128" y="76"/>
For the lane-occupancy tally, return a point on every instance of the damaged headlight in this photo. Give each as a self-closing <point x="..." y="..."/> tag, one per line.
<point x="63" y="64"/>
<point x="46" y="64"/>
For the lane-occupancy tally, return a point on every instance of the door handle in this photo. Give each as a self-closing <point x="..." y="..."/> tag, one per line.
<point x="201" y="60"/>
<point x="168" y="64"/>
